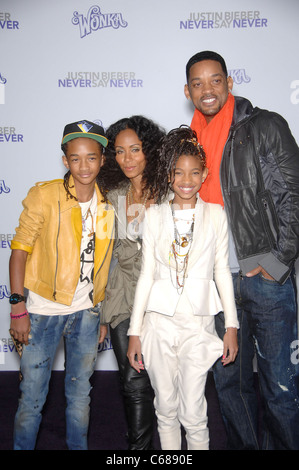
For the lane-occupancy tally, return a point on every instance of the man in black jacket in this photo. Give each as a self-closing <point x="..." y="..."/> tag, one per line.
<point x="253" y="163"/>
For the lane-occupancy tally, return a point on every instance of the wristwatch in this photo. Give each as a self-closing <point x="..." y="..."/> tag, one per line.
<point x="16" y="298"/>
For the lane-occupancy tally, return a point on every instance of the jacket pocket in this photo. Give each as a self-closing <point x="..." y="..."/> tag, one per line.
<point x="269" y="218"/>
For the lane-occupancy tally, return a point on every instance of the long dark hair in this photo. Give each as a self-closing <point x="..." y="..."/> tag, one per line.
<point x="150" y="134"/>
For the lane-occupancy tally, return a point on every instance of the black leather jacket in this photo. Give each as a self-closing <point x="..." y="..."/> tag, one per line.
<point x="260" y="184"/>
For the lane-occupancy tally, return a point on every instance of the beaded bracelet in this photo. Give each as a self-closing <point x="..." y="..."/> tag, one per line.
<point x="19" y="315"/>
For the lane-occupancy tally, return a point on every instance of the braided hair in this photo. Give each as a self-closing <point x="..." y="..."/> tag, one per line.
<point x="178" y="142"/>
<point x="66" y="178"/>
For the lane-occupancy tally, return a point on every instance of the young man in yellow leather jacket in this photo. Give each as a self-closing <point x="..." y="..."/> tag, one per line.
<point x="61" y="254"/>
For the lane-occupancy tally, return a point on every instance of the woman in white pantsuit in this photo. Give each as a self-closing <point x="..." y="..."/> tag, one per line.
<point x="184" y="281"/>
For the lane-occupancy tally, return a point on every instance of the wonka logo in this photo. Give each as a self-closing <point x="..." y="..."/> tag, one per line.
<point x="239" y="76"/>
<point x="3" y="187"/>
<point x="96" y="20"/>
<point x="4" y="292"/>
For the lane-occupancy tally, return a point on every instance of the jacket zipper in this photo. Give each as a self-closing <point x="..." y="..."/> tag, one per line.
<point x="269" y="217"/>
<point x="56" y="268"/>
<point x="104" y="256"/>
<point x="232" y="132"/>
<point x="221" y="162"/>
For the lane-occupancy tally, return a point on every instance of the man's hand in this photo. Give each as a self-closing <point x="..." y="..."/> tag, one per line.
<point x="258" y="270"/>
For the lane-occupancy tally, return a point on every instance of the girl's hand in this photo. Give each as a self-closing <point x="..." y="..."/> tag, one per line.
<point x="230" y="346"/>
<point x="134" y="353"/>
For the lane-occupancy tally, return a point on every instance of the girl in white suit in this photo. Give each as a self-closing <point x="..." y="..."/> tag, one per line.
<point x="184" y="281"/>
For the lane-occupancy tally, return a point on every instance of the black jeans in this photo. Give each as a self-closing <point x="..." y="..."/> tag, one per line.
<point x="137" y="392"/>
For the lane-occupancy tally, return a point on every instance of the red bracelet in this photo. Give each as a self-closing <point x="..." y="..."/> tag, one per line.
<point x="19" y="315"/>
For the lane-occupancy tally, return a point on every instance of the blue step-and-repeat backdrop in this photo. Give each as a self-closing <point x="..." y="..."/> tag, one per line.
<point x="63" y="61"/>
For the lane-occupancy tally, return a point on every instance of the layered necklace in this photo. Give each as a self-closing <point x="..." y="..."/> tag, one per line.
<point x="130" y="199"/>
<point x="180" y="249"/>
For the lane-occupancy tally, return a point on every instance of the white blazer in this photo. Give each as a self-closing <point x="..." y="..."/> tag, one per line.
<point x="208" y="284"/>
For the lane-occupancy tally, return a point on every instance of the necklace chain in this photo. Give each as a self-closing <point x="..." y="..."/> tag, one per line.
<point x="85" y="216"/>
<point x="182" y="242"/>
<point x="130" y="198"/>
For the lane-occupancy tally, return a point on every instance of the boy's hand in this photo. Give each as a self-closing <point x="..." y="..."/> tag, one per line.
<point x="20" y="328"/>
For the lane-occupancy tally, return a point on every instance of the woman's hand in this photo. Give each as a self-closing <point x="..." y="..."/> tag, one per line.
<point x="230" y="346"/>
<point x="134" y="352"/>
<point x="103" y="333"/>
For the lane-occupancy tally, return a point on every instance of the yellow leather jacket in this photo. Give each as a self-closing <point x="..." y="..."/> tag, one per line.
<point x="50" y="230"/>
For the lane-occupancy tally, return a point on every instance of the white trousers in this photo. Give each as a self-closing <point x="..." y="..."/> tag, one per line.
<point x="178" y="352"/>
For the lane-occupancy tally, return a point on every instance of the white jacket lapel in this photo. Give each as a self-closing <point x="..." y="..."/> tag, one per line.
<point x="167" y="234"/>
<point x="200" y="231"/>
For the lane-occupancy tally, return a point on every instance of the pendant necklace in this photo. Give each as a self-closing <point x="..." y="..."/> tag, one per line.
<point x="85" y="216"/>
<point x="184" y="240"/>
<point x="136" y="221"/>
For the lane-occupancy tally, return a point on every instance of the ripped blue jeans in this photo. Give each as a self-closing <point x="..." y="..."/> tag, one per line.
<point x="81" y="332"/>
<point x="267" y="313"/>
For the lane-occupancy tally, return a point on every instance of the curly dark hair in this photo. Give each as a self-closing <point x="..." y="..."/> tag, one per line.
<point x="179" y="141"/>
<point x="150" y="134"/>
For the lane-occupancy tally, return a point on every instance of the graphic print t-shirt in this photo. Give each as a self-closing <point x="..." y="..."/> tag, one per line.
<point x="84" y="292"/>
